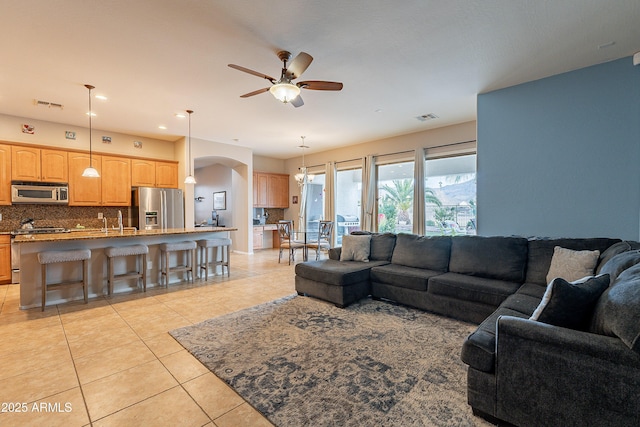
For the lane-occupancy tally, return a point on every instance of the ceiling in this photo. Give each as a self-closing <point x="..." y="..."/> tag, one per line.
<point x="397" y="60"/>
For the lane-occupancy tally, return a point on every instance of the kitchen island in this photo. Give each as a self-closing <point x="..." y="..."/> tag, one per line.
<point x="96" y="240"/>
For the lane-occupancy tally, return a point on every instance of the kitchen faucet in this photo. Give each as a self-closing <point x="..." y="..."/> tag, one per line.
<point x="105" y="229"/>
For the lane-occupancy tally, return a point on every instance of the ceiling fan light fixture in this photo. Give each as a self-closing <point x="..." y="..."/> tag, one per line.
<point x="284" y="92"/>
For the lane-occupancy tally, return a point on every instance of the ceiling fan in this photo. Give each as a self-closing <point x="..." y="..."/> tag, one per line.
<point x="284" y="89"/>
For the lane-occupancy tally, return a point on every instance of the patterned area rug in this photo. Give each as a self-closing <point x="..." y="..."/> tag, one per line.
<point x="303" y="362"/>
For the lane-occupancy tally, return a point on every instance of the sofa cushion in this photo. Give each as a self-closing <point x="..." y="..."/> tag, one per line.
<point x="471" y="288"/>
<point x="355" y="248"/>
<point x="403" y="276"/>
<point x="338" y="273"/>
<point x="613" y="250"/>
<point x="572" y="265"/>
<point x="570" y="304"/>
<point x="532" y="289"/>
<point x="619" y="263"/>
<point x="479" y="348"/>
<point x="618" y="310"/>
<point x="431" y="253"/>
<point x="541" y="251"/>
<point x="382" y="246"/>
<point x="501" y="258"/>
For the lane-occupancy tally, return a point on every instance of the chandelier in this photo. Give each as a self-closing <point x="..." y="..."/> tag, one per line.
<point x="303" y="177"/>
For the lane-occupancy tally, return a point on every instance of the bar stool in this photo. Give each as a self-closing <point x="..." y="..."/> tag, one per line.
<point x="140" y="252"/>
<point x="54" y="257"/>
<point x="166" y="249"/>
<point x="203" y="249"/>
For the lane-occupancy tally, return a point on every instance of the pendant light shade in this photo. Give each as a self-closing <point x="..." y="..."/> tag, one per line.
<point x="189" y="179"/>
<point x="90" y="172"/>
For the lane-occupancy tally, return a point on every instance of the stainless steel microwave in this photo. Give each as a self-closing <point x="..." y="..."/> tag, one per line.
<point x="40" y="192"/>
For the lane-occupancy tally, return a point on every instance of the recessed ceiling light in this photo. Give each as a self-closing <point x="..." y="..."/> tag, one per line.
<point x="180" y="115"/>
<point x="101" y="97"/>
<point x="379" y="110"/>
<point x="163" y="127"/>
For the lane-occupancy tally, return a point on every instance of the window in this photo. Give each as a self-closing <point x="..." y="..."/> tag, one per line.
<point x="314" y="203"/>
<point x="395" y="197"/>
<point x="450" y="195"/>
<point x="348" y="200"/>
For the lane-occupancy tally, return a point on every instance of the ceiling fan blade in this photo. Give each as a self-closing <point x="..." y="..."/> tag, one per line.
<point x="320" y="85"/>
<point x="297" y="101"/>
<point x="255" y="73"/>
<point x="255" y="92"/>
<point x="298" y="65"/>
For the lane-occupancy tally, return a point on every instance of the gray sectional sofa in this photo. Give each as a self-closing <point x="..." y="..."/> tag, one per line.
<point x="522" y="371"/>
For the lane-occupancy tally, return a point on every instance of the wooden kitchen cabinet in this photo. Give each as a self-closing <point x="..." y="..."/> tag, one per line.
<point x="143" y="173"/>
<point x="5" y="174"/>
<point x="270" y="190"/>
<point x="154" y="173"/>
<point x="166" y="174"/>
<point x="116" y="181"/>
<point x="261" y="192"/>
<point x="5" y="259"/>
<point x="84" y="191"/>
<point x="278" y="191"/>
<point x="54" y="166"/>
<point x="258" y="236"/>
<point x="39" y="165"/>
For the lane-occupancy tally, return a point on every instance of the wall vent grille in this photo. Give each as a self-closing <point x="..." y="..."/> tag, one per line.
<point x="40" y="103"/>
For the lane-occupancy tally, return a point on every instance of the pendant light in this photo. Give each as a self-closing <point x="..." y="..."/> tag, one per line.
<point x="90" y="172"/>
<point x="303" y="177"/>
<point x="189" y="179"/>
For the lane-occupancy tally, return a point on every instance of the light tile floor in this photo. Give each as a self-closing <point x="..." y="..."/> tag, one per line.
<point x="111" y="362"/>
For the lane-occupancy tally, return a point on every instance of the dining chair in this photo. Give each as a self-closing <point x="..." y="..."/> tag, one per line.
<point x="325" y="233"/>
<point x="285" y="231"/>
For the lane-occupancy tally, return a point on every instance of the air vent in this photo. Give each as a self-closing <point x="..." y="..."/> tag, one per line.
<point x="426" y="117"/>
<point x="39" y="103"/>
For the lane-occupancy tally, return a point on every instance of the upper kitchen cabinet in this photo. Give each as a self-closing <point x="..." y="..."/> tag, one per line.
<point x="270" y="190"/>
<point x="35" y="164"/>
<point x="166" y="174"/>
<point x="150" y="173"/>
<point x="85" y="191"/>
<point x="278" y="191"/>
<point x="5" y="174"/>
<point x="116" y="181"/>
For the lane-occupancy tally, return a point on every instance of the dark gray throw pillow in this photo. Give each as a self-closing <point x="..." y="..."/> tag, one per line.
<point x="570" y="304"/>
<point x="618" y="311"/>
<point x="619" y="263"/>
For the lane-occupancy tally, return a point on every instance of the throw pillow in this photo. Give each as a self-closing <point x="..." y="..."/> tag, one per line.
<point x="572" y="265"/>
<point x="355" y="248"/>
<point x="570" y="304"/>
<point x="618" y="311"/>
<point x="619" y="263"/>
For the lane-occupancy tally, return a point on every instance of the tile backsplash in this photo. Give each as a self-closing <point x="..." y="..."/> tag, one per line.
<point x="60" y="216"/>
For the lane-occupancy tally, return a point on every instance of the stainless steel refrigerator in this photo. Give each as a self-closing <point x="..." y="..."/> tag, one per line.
<point x="157" y="208"/>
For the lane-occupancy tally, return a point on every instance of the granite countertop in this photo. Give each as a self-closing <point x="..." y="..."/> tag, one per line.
<point x="83" y="234"/>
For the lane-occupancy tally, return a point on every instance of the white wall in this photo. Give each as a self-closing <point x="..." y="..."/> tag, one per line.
<point x="240" y="198"/>
<point x="53" y="135"/>
<point x="212" y="179"/>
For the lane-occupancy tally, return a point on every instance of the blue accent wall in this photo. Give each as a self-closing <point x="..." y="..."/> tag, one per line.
<point x="560" y="156"/>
